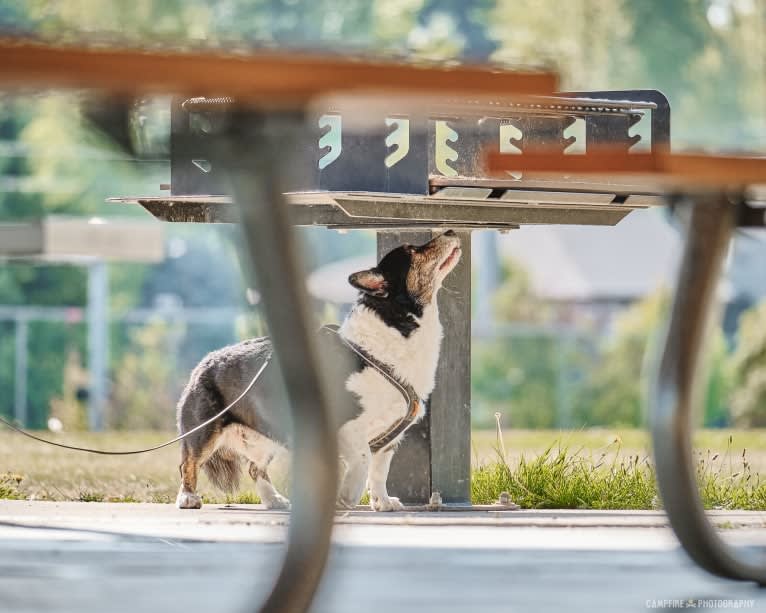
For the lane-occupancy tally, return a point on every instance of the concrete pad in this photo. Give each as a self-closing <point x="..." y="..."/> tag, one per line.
<point x="67" y="557"/>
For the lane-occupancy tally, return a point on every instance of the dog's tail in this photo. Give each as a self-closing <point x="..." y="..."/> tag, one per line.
<point x="223" y="469"/>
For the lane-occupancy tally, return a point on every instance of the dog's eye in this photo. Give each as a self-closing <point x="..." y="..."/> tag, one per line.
<point x="409" y="249"/>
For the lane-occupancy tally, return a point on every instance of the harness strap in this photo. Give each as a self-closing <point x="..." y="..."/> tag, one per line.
<point x="384" y="440"/>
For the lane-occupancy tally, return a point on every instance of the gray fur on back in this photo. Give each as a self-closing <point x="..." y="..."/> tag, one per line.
<point x="223" y="375"/>
<point x="216" y="382"/>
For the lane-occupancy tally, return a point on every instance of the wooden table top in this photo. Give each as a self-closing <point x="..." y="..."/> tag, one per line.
<point x="263" y="77"/>
<point x="667" y="170"/>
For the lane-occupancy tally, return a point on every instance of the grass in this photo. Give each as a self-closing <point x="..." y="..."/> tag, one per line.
<point x="560" y="478"/>
<point x="594" y="469"/>
<point x="10" y="487"/>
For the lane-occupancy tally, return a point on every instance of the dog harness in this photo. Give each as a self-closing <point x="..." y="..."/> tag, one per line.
<point x="384" y="440"/>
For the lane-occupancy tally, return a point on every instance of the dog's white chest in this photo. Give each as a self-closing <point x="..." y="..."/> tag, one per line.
<point x="413" y="359"/>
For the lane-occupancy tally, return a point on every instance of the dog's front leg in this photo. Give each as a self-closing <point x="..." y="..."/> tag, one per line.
<point x="378" y="476"/>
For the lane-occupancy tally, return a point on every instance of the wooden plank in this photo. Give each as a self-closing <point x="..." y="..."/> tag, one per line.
<point x="268" y="78"/>
<point x="667" y="169"/>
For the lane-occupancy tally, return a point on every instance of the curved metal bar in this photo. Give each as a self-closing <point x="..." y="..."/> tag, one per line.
<point x="672" y="394"/>
<point x="252" y="152"/>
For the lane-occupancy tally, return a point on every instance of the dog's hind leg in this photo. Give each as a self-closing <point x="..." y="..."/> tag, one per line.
<point x="187" y="496"/>
<point x="191" y="460"/>
<point x="268" y="494"/>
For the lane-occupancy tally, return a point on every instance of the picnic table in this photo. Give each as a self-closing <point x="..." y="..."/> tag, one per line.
<point x="241" y="149"/>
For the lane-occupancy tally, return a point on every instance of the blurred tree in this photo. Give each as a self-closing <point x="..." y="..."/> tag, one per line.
<point x="514" y="300"/>
<point x="614" y="391"/>
<point x="515" y="375"/>
<point x="7" y="368"/>
<point x="69" y="407"/>
<point x="145" y="390"/>
<point x="748" y="367"/>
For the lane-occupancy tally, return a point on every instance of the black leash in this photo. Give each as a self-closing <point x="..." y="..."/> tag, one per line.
<point x="385" y="439"/>
<point x="148" y="449"/>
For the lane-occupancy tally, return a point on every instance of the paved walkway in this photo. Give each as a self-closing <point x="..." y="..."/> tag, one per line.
<point x="82" y="557"/>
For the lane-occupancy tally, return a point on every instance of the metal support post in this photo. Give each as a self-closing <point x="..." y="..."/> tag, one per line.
<point x="98" y="343"/>
<point x="436" y="453"/>
<point x="20" y="386"/>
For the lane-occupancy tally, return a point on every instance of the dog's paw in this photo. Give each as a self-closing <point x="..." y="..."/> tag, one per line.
<point x="277" y="502"/>
<point x="187" y="500"/>
<point x="386" y="503"/>
<point x="344" y="504"/>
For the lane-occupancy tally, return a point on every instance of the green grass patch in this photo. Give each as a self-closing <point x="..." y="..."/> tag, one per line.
<point x="88" y="496"/>
<point x="561" y="478"/>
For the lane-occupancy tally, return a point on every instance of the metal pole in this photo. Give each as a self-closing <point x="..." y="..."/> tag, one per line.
<point x="563" y="402"/>
<point x="436" y="453"/>
<point x="22" y="355"/>
<point x="98" y="288"/>
<point x="487" y="276"/>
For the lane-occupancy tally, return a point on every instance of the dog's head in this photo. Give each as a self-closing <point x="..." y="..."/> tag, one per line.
<point x="407" y="279"/>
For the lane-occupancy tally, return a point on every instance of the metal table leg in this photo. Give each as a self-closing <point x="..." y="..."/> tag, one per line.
<point x="711" y="223"/>
<point x="252" y="154"/>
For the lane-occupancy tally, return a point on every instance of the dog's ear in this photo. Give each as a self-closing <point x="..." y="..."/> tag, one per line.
<point x="370" y="282"/>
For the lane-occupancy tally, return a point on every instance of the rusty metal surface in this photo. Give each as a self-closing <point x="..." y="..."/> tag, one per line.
<point x="507" y="210"/>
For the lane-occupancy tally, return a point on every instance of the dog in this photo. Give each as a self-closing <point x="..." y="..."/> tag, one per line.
<point x="395" y="321"/>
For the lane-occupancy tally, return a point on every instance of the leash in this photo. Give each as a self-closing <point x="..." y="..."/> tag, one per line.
<point x="384" y="440"/>
<point x="380" y="442"/>
<point x="148" y="449"/>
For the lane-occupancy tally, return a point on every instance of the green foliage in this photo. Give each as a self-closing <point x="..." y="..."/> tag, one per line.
<point x="710" y="74"/>
<point x="748" y="367"/>
<point x="613" y="393"/>
<point x="514" y="299"/>
<point x="49" y="345"/>
<point x="144" y="389"/>
<point x="7" y="367"/>
<point x="516" y="377"/>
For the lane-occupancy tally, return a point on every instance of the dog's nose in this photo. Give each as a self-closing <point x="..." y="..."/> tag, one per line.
<point x="450" y="233"/>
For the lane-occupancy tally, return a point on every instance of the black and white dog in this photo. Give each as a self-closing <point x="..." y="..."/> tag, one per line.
<point x="395" y="320"/>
